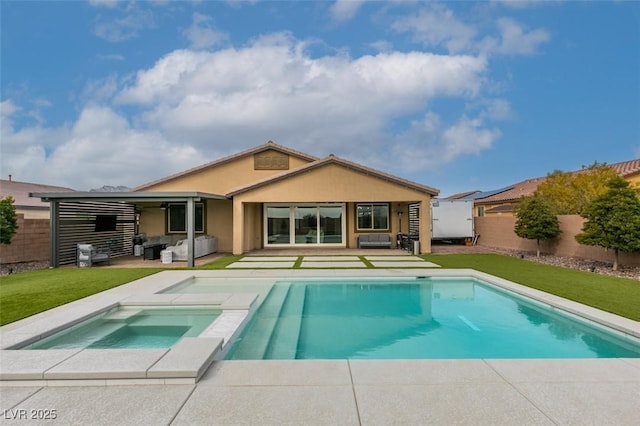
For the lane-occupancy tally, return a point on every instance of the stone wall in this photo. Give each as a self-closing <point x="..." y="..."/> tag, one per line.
<point x="497" y="231"/>
<point x="29" y="244"/>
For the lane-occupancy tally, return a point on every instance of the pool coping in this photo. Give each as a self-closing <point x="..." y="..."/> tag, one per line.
<point x="186" y="362"/>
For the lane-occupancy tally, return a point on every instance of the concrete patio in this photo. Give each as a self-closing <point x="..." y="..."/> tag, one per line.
<point x="411" y="392"/>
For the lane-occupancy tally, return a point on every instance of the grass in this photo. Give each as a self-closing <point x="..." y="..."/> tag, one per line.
<point x="28" y="293"/>
<point x="612" y="294"/>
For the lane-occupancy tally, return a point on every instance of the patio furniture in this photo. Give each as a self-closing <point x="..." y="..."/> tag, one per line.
<point x="152" y="251"/>
<point x="203" y="245"/>
<point x="87" y="255"/>
<point x="374" y="241"/>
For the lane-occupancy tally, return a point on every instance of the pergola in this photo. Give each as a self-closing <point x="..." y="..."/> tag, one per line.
<point x="135" y="199"/>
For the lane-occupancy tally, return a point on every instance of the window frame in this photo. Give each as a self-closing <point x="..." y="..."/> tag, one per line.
<point x="197" y="205"/>
<point x="292" y="207"/>
<point x="373" y="218"/>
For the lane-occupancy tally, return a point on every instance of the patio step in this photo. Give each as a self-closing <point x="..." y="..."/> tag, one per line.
<point x="254" y="344"/>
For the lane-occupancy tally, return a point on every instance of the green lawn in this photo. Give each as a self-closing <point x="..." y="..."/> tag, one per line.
<point x="616" y="295"/>
<point x="25" y="294"/>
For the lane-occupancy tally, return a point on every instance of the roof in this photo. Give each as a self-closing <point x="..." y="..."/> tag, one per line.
<point x="140" y="196"/>
<point x="264" y="147"/>
<point x="627" y="168"/>
<point x="462" y="195"/>
<point x="528" y="187"/>
<point x="332" y="159"/>
<point x="20" y="193"/>
<point x="511" y="193"/>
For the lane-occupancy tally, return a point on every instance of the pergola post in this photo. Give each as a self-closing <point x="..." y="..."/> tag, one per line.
<point x="191" y="221"/>
<point x="54" y="229"/>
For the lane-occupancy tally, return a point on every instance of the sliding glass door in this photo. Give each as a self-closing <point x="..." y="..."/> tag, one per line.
<point x="304" y="225"/>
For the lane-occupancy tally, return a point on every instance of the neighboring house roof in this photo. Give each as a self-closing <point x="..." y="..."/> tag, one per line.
<point x="20" y="193"/>
<point x="511" y="193"/>
<point x="264" y="147"/>
<point x="332" y="159"/>
<point x="627" y="168"/>
<point x="475" y="195"/>
<point x="527" y="187"/>
<point x="462" y="195"/>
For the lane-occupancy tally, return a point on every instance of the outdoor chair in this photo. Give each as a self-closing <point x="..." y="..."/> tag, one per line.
<point x="88" y="255"/>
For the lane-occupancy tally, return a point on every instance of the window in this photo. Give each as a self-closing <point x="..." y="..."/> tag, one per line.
<point x="480" y="211"/>
<point x="177" y="218"/>
<point x="373" y="216"/>
<point x="310" y="224"/>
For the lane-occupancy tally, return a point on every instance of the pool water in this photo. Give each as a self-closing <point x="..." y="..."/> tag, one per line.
<point x="417" y="318"/>
<point x="133" y="328"/>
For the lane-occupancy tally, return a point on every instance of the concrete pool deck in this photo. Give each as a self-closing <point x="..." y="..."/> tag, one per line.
<point x="475" y="391"/>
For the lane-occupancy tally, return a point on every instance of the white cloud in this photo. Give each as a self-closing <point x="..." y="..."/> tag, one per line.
<point x="110" y="57"/>
<point x="201" y="34"/>
<point x="329" y="100"/>
<point x="430" y="143"/>
<point x="104" y="3"/>
<point x="514" y="39"/>
<point x="124" y="28"/>
<point x="8" y="108"/>
<point x="191" y="107"/>
<point x="437" y="26"/>
<point x="344" y="10"/>
<point x="101" y="148"/>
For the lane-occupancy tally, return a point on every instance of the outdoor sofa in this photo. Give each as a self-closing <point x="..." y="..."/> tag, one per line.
<point x="374" y="241"/>
<point x="203" y="245"/>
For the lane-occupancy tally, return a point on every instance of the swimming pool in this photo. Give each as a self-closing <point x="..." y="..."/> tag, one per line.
<point x="132" y="327"/>
<point x="425" y="318"/>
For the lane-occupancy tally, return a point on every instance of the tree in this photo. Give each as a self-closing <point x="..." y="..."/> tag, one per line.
<point x="535" y="221"/>
<point x="570" y="192"/>
<point x="8" y="221"/>
<point x="613" y="220"/>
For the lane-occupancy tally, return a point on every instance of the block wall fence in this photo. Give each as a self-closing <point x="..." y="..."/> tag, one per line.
<point x="29" y="244"/>
<point x="497" y="232"/>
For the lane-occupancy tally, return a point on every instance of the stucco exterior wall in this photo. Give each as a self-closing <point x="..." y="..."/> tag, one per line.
<point x="498" y="232"/>
<point x="331" y="183"/>
<point x="223" y="178"/>
<point x="29" y="244"/>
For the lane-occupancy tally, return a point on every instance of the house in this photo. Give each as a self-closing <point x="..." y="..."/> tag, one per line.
<point x="31" y="208"/>
<point x="31" y="240"/>
<point x="503" y="201"/>
<point x="269" y="197"/>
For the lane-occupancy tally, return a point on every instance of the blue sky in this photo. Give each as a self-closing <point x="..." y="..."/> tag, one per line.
<point x="456" y="95"/>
